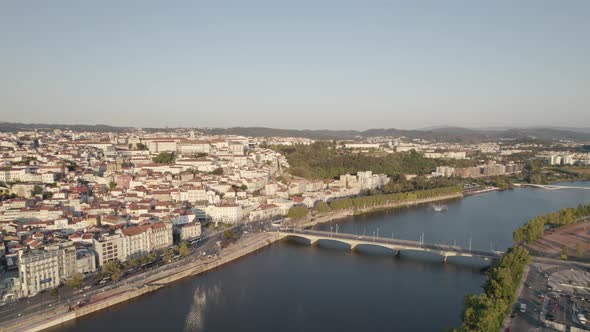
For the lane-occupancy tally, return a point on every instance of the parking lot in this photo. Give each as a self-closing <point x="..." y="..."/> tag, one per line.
<point x="554" y="296"/>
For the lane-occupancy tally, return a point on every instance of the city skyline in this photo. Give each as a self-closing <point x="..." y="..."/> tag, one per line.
<point x="334" y="65"/>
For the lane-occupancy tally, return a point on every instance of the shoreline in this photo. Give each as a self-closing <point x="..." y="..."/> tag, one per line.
<point x="124" y="293"/>
<point x="336" y="215"/>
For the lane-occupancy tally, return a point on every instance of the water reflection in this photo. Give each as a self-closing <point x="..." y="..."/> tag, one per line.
<point x="195" y="318"/>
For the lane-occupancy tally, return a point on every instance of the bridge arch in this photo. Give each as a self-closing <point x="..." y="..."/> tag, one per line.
<point x="297" y="237"/>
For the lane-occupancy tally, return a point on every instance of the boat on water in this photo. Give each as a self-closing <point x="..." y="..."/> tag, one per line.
<point x="439" y="208"/>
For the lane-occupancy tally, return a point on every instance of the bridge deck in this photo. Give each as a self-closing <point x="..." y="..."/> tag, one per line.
<point x="354" y="240"/>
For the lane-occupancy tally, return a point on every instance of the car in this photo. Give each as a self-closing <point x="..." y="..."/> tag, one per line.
<point x="522" y="307"/>
<point x="546" y="276"/>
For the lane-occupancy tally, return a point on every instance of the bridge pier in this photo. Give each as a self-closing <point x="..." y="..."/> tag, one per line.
<point x="398" y="253"/>
<point x="445" y="259"/>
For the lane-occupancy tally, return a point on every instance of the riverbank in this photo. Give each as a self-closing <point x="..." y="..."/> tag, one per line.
<point x="314" y="220"/>
<point x="194" y="266"/>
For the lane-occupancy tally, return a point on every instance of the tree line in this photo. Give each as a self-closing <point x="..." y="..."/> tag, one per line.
<point x="534" y="228"/>
<point x="363" y="202"/>
<point x="485" y="312"/>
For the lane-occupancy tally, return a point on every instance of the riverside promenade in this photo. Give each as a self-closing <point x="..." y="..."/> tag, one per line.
<point x="190" y="266"/>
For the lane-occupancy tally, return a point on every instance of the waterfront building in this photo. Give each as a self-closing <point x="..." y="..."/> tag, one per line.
<point x="109" y="247"/>
<point x="44" y="269"/>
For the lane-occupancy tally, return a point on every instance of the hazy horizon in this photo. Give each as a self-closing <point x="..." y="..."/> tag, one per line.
<point x="339" y="65"/>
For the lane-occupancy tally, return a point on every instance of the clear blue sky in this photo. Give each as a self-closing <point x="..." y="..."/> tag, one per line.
<point x="296" y="64"/>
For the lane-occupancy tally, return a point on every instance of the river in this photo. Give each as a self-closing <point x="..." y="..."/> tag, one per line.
<point x="294" y="287"/>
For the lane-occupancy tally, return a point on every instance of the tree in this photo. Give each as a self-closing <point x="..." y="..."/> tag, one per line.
<point x="244" y="187"/>
<point x="164" y="158"/>
<point x="183" y="249"/>
<point x="75" y="281"/>
<point x="112" y="270"/>
<point x="112" y="185"/>
<point x="47" y="195"/>
<point x="37" y="190"/>
<point x="298" y="212"/>
<point x="564" y="253"/>
<point x="228" y="234"/>
<point x="579" y="249"/>
<point x="167" y="257"/>
<point x="322" y="207"/>
<point x="141" y="146"/>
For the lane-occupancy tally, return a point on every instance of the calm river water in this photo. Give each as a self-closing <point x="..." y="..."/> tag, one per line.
<point x="293" y="287"/>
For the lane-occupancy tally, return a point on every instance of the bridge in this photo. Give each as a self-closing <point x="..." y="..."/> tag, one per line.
<point x="553" y="187"/>
<point x="397" y="245"/>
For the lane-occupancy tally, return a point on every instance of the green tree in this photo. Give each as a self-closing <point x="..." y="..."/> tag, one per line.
<point x="112" y="185"/>
<point x="75" y="281"/>
<point x="37" y="190"/>
<point x="564" y="253"/>
<point x="47" y="195"/>
<point x="217" y="171"/>
<point x="228" y="234"/>
<point x="112" y="270"/>
<point x="167" y="257"/>
<point x="322" y="207"/>
<point x="298" y="212"/>
<point x="183" y="249"/>
<point x="164" y="158"/>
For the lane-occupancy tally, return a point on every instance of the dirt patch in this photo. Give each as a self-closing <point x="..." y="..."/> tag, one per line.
<point x="572" y="236"/>
<point x="583" y="171"/>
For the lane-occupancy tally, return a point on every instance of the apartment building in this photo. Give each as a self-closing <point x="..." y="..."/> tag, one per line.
<point x="109" y="248"/>
<point x="45" y="269"/>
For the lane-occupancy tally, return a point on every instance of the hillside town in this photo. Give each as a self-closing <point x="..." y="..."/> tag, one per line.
<point x="74" y="201"/>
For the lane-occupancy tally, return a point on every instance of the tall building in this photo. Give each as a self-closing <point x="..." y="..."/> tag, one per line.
<point x="45" y="269"/>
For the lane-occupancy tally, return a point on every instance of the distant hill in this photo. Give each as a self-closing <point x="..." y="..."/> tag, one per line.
<point x="446" y="134"/>
<point x="13" y="127"/>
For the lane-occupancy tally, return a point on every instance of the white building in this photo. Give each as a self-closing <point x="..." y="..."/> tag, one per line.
<point x="45" y="269"/>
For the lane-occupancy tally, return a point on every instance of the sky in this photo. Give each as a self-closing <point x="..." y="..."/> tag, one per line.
<point x="296" y="64"/>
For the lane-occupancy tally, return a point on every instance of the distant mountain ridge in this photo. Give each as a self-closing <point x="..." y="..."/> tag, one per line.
<point x="446" y="134"/>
